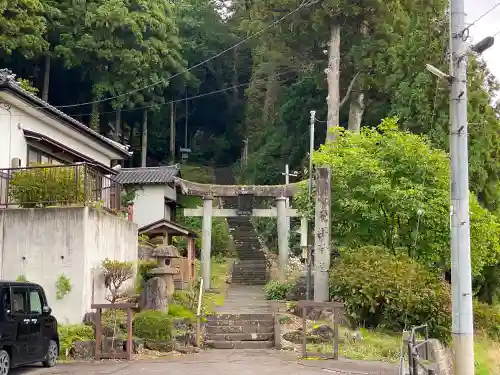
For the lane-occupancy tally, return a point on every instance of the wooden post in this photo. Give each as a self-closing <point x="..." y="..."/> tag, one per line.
<point x="335" y="333"/>
<point x="98" y="334"/>
<point x="130" y="342"/>
<point x="98" y="331"/>
<point x="191" y="255"/>
<point x="304" y="332"/>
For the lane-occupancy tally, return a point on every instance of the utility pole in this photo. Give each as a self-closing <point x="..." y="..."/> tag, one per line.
<point x="461" y="282"/>
<point x="186" y="123"/>
<point x="172" y="132"/>
<point x="309" y="200"/>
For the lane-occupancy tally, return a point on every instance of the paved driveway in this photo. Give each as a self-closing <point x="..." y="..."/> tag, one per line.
<point x="224" y="362"/>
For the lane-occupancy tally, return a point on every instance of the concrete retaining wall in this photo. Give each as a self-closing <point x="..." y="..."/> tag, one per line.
<point x="42" y="244"/>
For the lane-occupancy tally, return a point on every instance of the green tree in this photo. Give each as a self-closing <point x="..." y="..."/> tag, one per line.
<point x="124" y="45"/>
<point x="391" y="188"/>
<point x="22" y="26"/>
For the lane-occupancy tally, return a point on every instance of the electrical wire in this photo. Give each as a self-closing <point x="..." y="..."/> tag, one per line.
<point x="303" y="4"/>
<point x="183" y="99"/>
<point x="494" y="35"/>
<point x="479" y="19"/>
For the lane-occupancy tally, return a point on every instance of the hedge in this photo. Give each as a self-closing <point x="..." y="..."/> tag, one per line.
<point x="381" y="289"/>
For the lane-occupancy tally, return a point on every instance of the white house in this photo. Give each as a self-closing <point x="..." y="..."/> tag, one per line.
<point x="45" y="244"/>
<point x="33" y="131"/>
<point x="156" y="195"/>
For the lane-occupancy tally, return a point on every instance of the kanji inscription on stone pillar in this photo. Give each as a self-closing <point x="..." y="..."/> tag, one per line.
<point x="322" y="234"/>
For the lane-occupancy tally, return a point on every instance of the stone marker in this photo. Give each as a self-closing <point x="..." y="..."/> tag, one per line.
<point x="154" y="295"/>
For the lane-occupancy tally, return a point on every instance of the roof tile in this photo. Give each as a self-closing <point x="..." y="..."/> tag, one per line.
<point x="147" y="175"/>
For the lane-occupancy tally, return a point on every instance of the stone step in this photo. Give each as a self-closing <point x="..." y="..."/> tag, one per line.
<point x="242" y="316"/>
<point x="239" y="344"/>
<point x="249" y="328"/>
<point x="238" y="279"/>
<point x="241" y="336"/>
<point x="250" y="267"/>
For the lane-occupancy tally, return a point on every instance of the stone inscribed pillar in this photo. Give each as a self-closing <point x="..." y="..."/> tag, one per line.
<point x="206" y="241"/>
<point x="322" y="234"/>
<point x="283" y="234"/>
<point x="154" y="295"/>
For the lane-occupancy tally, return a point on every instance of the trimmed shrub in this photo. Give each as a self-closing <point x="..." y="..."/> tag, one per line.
<point x="68" y="334"/>
<point x="47" y="186"/>
<point x="153" y="325"/>
<point x="487" y="319"/>
<point x="380" y="289"/>
<point x="277" y="290"/>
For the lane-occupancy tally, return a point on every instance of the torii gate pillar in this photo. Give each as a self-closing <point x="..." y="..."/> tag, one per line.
<point x="206" y="243"/>
<point x="283" y="234"/>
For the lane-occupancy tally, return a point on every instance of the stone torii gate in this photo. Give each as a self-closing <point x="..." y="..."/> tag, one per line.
<point x="208" y="192"/>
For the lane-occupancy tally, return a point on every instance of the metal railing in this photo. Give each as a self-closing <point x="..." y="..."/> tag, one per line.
<point x="414" y="346"/>
<point x="58" y="185"/>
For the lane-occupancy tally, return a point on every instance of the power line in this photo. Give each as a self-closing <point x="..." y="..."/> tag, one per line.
<point x="183" y="99"/>
<point x="494" y="35"/>
<point x="303" y="4"/>
<point x="484" y="15"/>
<point x="480" y="18"/>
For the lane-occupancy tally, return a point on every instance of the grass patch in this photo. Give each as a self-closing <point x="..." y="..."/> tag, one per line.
<point x="376" y="345"/>
<point x="487" y="356"/>
<point x="197" y="173"/>
<point x="213" y="299"/>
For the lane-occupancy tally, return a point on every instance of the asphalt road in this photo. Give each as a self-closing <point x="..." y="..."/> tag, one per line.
<point x="226" y="362"/>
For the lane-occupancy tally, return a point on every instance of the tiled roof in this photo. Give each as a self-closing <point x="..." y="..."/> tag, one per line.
<point x="7" y="81"/>
<point x="147" y="175"/>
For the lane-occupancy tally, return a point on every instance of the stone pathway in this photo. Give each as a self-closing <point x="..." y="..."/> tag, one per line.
<point x="245" y="299"/>
<point x="229" y="362"/>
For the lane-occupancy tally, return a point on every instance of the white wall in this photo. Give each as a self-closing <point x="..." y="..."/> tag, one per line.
<point x="170" y="193"/>
<point x="111" y="237"/>
<point x="13" y="143"/>
<point x="149" y="204"/>
<point x="69" y="241"/>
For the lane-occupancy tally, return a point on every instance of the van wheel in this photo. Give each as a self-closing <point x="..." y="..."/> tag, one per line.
<point x="52" y="354"/>
<point x="4" y="362"/>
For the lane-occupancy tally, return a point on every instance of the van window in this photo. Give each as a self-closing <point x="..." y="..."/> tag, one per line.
<point x="19" y="300"/>
<point x="4" y="303"/>
<point x="36" y="301"/>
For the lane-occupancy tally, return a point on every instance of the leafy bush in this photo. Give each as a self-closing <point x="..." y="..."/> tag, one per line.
<point x="487" y="319"/>
<point x="179" y="311"/>
<point x="277" y="290"/>
<point x="68" y="334"/>
<point x="153" y="325"/>
<point x="63" y="286"/>
<point x="46" y="186"/>
<point x="381" y="289"/>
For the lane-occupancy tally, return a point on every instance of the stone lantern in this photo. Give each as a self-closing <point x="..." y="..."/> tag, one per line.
<point x="164" y="255"/>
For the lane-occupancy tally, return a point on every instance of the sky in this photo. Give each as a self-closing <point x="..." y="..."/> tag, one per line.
<point x="487" y="26"/>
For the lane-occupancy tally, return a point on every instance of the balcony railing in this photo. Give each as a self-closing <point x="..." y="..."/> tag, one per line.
<point x="58" y="185"/>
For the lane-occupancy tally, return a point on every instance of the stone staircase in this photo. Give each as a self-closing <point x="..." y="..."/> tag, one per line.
<point x="245" y="320"/>
<point x="240" y="331"/>
<point x="250" y="267"/>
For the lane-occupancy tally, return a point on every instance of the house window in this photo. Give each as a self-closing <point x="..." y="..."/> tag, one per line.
<point x="36" y="156"/>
